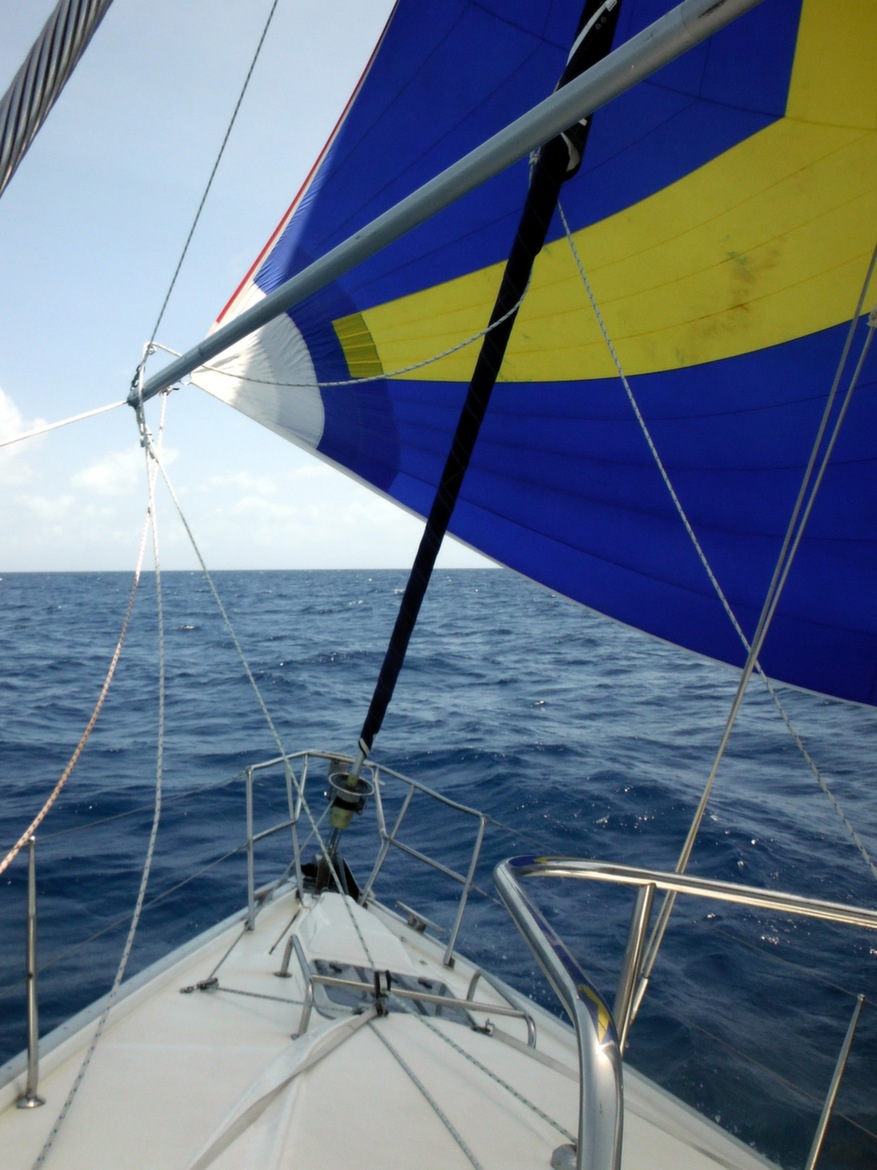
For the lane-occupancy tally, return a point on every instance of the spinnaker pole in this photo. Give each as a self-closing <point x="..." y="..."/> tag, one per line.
<point x="671" y="35"/>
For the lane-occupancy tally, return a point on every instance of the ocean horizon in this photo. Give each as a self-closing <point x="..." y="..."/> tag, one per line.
<point x="576" y="735"/>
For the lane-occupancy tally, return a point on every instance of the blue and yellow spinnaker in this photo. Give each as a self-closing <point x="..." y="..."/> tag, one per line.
<point x="725" y="216"/>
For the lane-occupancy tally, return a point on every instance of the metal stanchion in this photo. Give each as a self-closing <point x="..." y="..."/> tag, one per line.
<point x="30" y="1098"/>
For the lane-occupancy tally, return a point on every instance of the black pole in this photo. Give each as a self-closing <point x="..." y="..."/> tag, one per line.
<point x="557" y="161"/>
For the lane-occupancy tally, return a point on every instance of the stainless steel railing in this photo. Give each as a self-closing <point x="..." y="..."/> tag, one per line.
<point x="600" y="1086"/>
<point x="301" y="779"/>
<point x="600" y="1118"/>
<point x="30" y="1098"/>
<point x="378" y="987"/>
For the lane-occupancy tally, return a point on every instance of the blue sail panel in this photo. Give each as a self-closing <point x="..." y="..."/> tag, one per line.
<point x="725" y="215"/>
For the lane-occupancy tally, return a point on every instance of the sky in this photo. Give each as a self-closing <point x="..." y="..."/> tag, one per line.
<point x="91" y="230"/>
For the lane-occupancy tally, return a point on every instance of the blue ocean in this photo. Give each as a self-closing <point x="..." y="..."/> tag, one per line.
<point x="577" y="736"/>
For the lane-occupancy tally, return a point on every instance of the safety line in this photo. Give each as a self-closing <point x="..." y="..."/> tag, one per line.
<point x="212" y="176"/>
<point x="540" y="1113"/>
<point x="791" y="542"/>
<point x="44" y="430"/>
<point x="314" y="823"/>
<point x="431" y="1101"/>
<point x="62" y="956"/>
<point x="153" y="836"/>
<point x="400" y="372"/>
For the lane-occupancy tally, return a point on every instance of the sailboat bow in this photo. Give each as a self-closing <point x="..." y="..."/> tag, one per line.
<point x="683" y="425"/>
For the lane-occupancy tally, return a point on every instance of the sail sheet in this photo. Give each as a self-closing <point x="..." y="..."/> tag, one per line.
<point x="725" y="215"/>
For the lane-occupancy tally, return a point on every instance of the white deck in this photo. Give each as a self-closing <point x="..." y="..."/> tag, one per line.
<point x="213" y="1078"/>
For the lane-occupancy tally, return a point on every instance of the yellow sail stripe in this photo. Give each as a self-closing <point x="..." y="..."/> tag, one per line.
<point x="688" y="275"/>
<point x="359" y="347"/>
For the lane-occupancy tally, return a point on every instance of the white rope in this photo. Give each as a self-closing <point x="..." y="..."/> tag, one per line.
<point x="397" y="373"/>
<point x="65" y="775"/>
<point x="150" y="850"/>
<point x="314" y="823"/>
<point x="64" y="422"/>
<point x="98" y="707"/>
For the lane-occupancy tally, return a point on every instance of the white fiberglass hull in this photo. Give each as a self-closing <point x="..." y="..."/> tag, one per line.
<point x="214" y="1078"/>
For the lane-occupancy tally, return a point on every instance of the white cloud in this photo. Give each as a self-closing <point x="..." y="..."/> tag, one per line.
<point x="325" y="527"/>
<point x="14" y="469"/>
<point x="315" y="469"/>
<point x="48" y="508"/>
<point x="12" y="421"/>
<point x="118" y="473"/>
<point x="310" y="516"/>
<point x="241" y="481"/>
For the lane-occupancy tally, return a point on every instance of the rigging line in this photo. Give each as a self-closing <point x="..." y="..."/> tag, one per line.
<point x="111" y="670"/>
<point x="62" y="956"/>
<point x="431" y="1101"/>
<point x="235" y="942"/>
<point x="275" y="735"/>
<point x="769" y="955"/>
<point x="558" y="160"/>
<point x="185" y="794"/>
<point x="488" y="1072"/>
<point x="153" y="836"/>
<point x="821" y="781"/>
<point x="752" y="1062"/>
<point x="62" y="423"/>
<point x="290" y="774"/>
<point x="795" y="540"/>
<point x="643" y="425"/>
<point x="397" y="373"/>
<point x="222" y="147"/>
<point x="256" y="995"/>
<point x="761" y="631"/>
<point x="670" y="898"/>
<point x="801" y="511"/>
<point x="147" y="440"/>
<point x="792" y="542"/>
<point x="793" y="549"/>
<point x="42" y="76"/>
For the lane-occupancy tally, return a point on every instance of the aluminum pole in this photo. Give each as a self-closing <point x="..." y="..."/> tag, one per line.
<point x="673" y="34"/>
<point x="31" y="1099"/>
